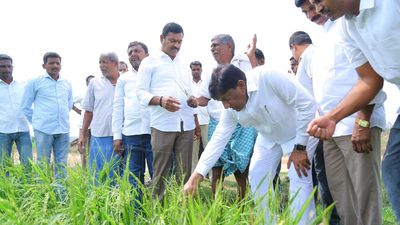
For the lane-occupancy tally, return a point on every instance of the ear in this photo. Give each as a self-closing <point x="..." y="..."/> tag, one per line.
<point x="44" y="66"/>
<point x="161" y="38"/>
<point x="241" y="84"/>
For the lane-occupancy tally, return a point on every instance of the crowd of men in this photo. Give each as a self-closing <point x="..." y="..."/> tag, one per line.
<point x="245" y="115"/>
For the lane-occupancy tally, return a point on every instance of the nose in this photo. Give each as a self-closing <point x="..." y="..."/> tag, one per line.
<point x="319" y="8"/>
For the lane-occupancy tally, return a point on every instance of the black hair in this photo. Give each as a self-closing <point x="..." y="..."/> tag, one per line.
<point x="299" y="38"/>
<point x="50" y="55"/>
<point x="259" y="54"/>
<point x="134" y="43"/>
<point x="172" y="28"/>
<point x="195" y="63"/>
<point x="224" y="77"/>
<point x="299" y="3"/>
<point x="5" y="57"/>
<point x="89" y="77"/>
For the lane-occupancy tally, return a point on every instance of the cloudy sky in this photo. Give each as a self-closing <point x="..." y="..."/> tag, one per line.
<point x="79" y="30"/>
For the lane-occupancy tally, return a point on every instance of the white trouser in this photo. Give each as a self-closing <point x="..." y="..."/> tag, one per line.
<point x="263" y="165"/>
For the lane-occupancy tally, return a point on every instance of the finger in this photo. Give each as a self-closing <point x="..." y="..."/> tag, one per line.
<point x="307" y="164"/>
<point x="318" y="132"/>
<point x="298" y="169"/>
<point x="311" y="128"/>
<point x="304" y="171"/>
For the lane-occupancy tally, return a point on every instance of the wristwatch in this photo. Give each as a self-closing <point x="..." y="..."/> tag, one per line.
<point x="300" y="147"/>
<point x="362" y="123"/>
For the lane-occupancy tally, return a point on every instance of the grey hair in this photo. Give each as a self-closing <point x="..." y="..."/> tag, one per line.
<point x="112" y="56"/>
<point x="225" y="39"/>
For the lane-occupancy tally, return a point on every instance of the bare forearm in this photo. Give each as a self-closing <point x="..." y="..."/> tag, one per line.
<point x="366" y="88"/>
<point x="87" y="119"/>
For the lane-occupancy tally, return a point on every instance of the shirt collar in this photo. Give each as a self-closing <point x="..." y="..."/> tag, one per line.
<point x="164" y="55"/>
<point x="48" y="76"/>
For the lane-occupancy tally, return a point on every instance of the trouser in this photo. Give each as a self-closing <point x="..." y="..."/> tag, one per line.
<point x="391" y="168"/>
<point x="24" y="146"/>
<point x="326" y="195"/>
<point x="198" y="143"/>
<point x="136" y="147"/>
<point x="165" y="145"/>
<point x="263" y="165"/>
<point x="354" y="180"/>
<point x="103" y="160"/>
<point x="59" y="143"/>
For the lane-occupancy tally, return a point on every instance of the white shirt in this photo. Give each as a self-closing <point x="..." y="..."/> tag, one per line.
<point x="12" y="119"/>
<point x="373" y="36"/>
<point x="278" y="107"/>
<point x="78" y="99"/>
<point x="334" y="77"/>
<point x="129" y="116"/>
<point x="159" y="75"/>
<point x="242" y="62"/>
<point x="99" y="100"/>
<point x="202" y="115"/>
<point x="304" y="73"/>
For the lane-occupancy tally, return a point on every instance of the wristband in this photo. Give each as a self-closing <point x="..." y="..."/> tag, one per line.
<point x="161" y="101"/>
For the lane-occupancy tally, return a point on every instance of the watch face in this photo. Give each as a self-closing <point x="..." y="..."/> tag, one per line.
<point x="364" y="123"/>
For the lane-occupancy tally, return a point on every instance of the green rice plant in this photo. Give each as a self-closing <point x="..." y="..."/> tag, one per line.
<point x="31" y="198"/>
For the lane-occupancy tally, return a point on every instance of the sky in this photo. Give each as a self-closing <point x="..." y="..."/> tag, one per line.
<point x="80" y="30"/>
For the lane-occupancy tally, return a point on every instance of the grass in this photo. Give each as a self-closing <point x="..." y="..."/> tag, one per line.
<point x="31" y="198"/>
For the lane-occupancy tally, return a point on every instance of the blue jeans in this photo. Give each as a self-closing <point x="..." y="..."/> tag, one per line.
<point x="23" y="142"/>
<point x="60" y="145"/>
<point x="102" y="158"/>
<point x="136" y="149"/>
<point x="391" y="167"/>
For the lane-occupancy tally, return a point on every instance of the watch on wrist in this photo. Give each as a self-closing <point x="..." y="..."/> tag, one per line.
<point x="300" y="147"/>
<point x="362" y="123"/>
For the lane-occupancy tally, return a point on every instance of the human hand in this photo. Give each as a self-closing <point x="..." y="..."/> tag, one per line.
<point x="322" y="128"/>
<point x="361" y="139"/>
<point x="118" y="148"/>
<point x="192" y="184"/>
<point x="170" y="103"/>
<point x="300" y="161"/>
<point x="192" y="102"/>
<point x="81" y="145"/>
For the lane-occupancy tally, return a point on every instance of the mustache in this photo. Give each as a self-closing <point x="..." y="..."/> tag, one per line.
<point x="315" y="18"/>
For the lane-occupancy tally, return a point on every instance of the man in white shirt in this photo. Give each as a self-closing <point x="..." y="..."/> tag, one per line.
<point x="164" y="85"/>
<point x="13" y="124"/>
<point x="98" y="115"/>
<point x="279" y="108"/>
<point x="131" y="120"/>
<point x="302" y="49"/>
<point x="348" y="169"/>
<point x="200" y="142"/>
<point x="370" y="31"/>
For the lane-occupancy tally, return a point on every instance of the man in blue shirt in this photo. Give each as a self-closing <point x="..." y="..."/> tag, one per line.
<point x="51" y="97"/>
<point x="13" y="124"/>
